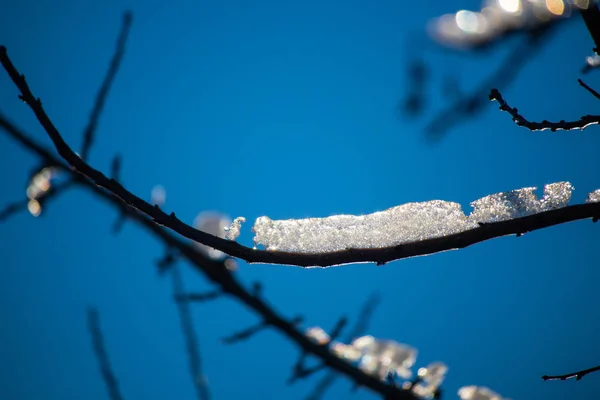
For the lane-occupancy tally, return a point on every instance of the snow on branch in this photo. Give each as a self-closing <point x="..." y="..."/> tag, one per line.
<point x="499" y="18"/>
<point x="411" y="222"/>
<point x="455" y="232"/>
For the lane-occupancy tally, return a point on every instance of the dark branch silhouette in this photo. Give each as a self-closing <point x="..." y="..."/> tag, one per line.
<point x="90" y="130"/>
<point x="589" y="89"/>
<point x="360" y="328"/>
<point x="591" y="17"/>
<point x="108" y="375"/>
<point x="577" y="375"/>
<point x="520" y="120"/>
<point x="250" y="255"/>
<point x="465" y="107"/>
<point x="216" y="272"/>
<point x="191" y="342"/>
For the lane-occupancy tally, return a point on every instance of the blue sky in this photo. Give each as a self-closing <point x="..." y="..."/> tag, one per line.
<point x="287" y="109"/>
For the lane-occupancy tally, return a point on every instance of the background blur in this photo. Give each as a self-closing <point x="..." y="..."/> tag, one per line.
<point x="287" y="109"/>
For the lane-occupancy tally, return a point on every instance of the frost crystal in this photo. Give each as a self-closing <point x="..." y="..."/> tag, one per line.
<point x="520" y="203"/>
<point x="478" y="393"/>
<point x="380" y="357"/>
<point x="432" y="377"/>
<point x="233" y="231"/>
<point x="593" y="197"/>
<point x="405" y="223"/>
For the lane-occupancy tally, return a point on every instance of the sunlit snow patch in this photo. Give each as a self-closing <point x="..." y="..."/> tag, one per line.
<point x="405" y="223"/>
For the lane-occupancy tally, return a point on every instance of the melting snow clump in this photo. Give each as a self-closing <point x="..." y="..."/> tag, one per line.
<point x="233" y="231"/>
<point x="405" y="223"/>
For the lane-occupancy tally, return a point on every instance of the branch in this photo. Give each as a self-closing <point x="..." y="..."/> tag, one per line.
<point x="470" y="104"/>
<point x="589" y="89"/>
<point x="577" y="375"/>
<point x="217" y="272"/>
<point x="591" y="17"/>
<point x="191" y="342"/>
<point x="520" y="120"/>
<point x="250" y="255"/>
<point x="98" y="342"/>
<point x="360" y="327"/>
<point x="90" y="130"/>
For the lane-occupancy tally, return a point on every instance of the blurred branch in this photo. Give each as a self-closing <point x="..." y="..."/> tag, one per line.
<point x="215" y="271"/>
<point x="300" y="371"/>
<point x="360" y="327"/>
<point x="187" y="326"/>
<point x="22" y="205"/>
<point x="470" y="104"/>
<point x="254" y="329"/>
<point x="251" y="255"/>
<point x="99" y="349"/>
<point x="520" y="120"/>
<point x="577" y="375"/>
<point x="591" y="17"/>
<point x="90" y="130"/>
<point x="199" y="297"/>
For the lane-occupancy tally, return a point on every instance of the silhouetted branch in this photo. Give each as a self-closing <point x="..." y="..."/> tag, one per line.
<point x="577" y="375"/>
<point x="90" y="130"/>
<point x="338" y="328"/>
<point x="360" y="327"/>
<point x="300" y="371"/>
<point x="251" y="255"/>
<point x="115" y="167"/>
<point x="99" y="349"/>
<point x="214" y="270"/>
<point x="591" y="17"/>
<point x="199" y="297"/>
<point x="191" y="342"/>
<point x="589" y="89"/>
<point x="581" y="123"/>
<point x="254" y="329"/>
<point x="468" y="105"/>
<point x="417" y="75"/>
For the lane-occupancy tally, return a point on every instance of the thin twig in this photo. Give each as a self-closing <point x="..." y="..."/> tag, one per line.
<point x="215" y="271"/>
<point x="577" y="375"/>
<point x="468" y="105"/>
<point x="251" y="255"/>
<point x="360" y="327"/>
<point x="191" y="342"/>
<point x="589" y="89"/>
<point x="100" y="350"/>
<point x="90" y="130"/>
<point x="520" y="120"/>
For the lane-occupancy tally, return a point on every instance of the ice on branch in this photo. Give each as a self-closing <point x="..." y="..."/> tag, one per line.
<point x="431" y="378"/>
<point x="385" y="359"/>
<point x="593" y="197"/>
<point x="405" y="223"/>
<point x="497" y="17"/>
<point x="39" y="185"/>
<point x="382" y="357"/>
<point x="233" y="231"/>
<point x="478" y="393"/>
<point x="216" y="224"/>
